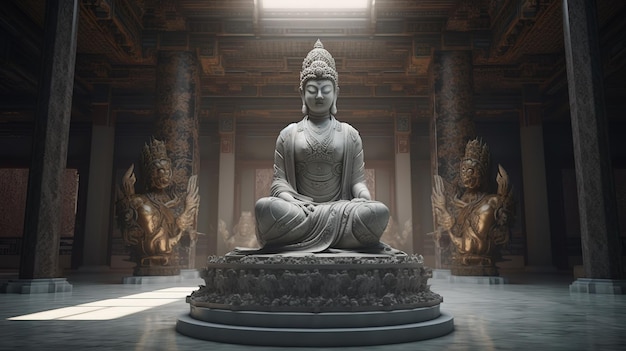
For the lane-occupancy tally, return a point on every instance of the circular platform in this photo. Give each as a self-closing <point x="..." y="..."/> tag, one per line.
<point x="327" y="299"/>
<point x="315" y="329"/>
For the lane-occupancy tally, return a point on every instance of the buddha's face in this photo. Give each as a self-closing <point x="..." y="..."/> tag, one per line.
<point x="470" y="174"/>
<point x="160" y="174"/>
<point x="319" y="96"/>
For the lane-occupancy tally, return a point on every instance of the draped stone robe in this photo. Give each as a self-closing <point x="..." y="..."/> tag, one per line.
<point x="310" y="225"/>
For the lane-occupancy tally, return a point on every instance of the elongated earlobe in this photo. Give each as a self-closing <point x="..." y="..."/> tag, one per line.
<point x="305" y="109"/>
<point x="333" y="108"/>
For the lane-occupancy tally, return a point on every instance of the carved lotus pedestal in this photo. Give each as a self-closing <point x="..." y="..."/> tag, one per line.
<point x="327" y="299"/>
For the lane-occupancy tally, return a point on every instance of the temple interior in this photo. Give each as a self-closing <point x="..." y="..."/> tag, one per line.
<point x="545" y="92"/>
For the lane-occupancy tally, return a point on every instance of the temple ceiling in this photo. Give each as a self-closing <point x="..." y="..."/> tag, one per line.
<point x="250" y="58"/>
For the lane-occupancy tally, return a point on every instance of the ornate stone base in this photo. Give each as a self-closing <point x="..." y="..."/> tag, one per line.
<point x="315" y="283"/>
<point x="334" y="329"/>
<point x="336" y="299"/>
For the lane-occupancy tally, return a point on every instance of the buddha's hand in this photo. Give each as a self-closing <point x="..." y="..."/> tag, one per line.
<point x="358" y="199"/>
<point x="307" y="206"/>
<point x="360" y="191"/>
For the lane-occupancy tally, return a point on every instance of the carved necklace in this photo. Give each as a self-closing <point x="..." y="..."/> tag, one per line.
<point x="319" y="130"/>
<point x="319" y="141"/>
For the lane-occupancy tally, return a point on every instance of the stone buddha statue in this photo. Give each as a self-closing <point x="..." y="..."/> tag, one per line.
<point x="477" y="222"/>
<point x="319" y="199"/>
<point x="153" y="223"/>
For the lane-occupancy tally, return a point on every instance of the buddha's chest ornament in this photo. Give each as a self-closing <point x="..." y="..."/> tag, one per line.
<point x="320" y="146"/>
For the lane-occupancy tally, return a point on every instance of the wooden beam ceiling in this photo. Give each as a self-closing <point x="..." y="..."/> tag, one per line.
<point x="250" y="58"/>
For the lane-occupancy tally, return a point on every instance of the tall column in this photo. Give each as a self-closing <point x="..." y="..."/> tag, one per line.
<point x="177" y="108"/>
<point x="453" y="123"/>
<point x="404" y="201"/>
<point x="537" y="220"/>
<point x="226" y="195"/>
<point x="39" y="261"/>
<point x="99" y="193"/>
<point x="602" y="259"/>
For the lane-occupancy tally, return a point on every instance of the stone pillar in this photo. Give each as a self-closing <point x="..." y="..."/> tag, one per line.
<point x="404" y="195"/>
<point x="537" y="219"/>
<point x="39" y="261"/>
<point x="453" y="123"/>
<point x="99" y="193"/>
<point x="226" y="195"/>
<point x="594" y="178"/>
<point x="177" y="108"/>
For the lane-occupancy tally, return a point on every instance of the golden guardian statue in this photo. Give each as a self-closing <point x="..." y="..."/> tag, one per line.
<point x="153" y="223"/>
<point x="476" y="222"/>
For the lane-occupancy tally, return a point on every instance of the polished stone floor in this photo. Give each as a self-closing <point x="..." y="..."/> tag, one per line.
<point x="531" y="312"/>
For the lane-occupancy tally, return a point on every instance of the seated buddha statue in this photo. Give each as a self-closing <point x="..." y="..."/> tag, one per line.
<point x="153" y="223"/>
<point x="477" y="222"/>
<point x="319" y="199"/>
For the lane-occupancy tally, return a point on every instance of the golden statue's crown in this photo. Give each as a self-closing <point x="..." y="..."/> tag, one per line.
<point x="476" y="150"/>
<point x="318" y="64"/>
<point x="153" y="151"/>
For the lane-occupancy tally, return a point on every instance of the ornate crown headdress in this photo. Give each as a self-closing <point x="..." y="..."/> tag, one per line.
<point x="476" y="150"/>
<point x="153" y="151"/>
<point x="318" y="64"/>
